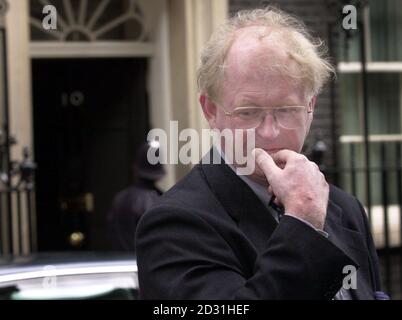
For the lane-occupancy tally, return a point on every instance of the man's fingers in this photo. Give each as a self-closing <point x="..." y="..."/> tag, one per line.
<point x="277" y="202"/>
<point x="282" y="157"/>
<point x="266" y="163"/>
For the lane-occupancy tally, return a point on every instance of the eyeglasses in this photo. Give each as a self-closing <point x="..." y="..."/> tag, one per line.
<point x="289" y="117"/>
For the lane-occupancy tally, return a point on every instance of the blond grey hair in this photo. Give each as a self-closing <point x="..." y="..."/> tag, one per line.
<point x="309" y="53"/>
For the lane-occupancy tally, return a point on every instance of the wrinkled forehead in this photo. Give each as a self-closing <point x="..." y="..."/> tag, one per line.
<point x="260" y="52"/>
<point x="258" y="59"/>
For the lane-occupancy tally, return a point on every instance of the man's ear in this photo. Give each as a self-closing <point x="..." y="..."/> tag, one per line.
<point x="311" y="106"/>
<point x="312" y="103"/>
<point x="209" y="109"/>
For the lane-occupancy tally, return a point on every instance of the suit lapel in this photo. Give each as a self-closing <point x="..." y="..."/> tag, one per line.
<point x="241" y="203"/>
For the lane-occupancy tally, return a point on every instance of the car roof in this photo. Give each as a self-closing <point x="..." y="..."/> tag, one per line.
<point x="65" y="263"/>
<point x="86" y="275"/>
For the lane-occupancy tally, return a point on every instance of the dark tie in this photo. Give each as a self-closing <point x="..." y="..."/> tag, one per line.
<point x="278" y="209"/>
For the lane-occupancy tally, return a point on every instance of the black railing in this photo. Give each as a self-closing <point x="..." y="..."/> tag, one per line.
<point x="385" y="193"/>
<point x="17" y="208"/>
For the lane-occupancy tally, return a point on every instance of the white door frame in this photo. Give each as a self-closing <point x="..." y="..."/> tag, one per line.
<point x="157" y="53"/>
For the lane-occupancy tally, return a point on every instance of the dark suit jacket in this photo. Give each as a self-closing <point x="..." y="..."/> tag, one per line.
<point x="210" y="237"/>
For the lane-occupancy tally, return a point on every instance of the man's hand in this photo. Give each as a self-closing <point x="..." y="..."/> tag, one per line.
<point x="297" y="183"/>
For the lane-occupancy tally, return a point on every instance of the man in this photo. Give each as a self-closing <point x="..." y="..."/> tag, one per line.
<point x="282" y="232"/>
<point x="131" y="203"/>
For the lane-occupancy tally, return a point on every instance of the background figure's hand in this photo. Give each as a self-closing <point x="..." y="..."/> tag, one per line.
<point x="297" y="184"/>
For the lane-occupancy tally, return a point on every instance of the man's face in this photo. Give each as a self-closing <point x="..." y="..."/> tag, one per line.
<point x="253" y="77"/>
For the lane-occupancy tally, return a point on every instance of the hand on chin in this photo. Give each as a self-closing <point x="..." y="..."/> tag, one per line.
<point x="259" y="176"/>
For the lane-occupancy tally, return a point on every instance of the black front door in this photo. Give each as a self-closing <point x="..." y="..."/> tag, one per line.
<point x="89" y="117"/>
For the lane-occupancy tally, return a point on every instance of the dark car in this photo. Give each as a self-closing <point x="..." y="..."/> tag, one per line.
<point x="83" y="275"/>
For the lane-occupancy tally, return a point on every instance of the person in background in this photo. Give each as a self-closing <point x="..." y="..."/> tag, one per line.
<point x="131" y="203"/>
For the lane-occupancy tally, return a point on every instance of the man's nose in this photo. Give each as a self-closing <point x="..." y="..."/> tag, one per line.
<point x="269" y="128"/>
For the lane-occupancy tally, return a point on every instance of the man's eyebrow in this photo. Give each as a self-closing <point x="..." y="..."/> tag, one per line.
<point x="246" y="101"/>
<point x="246" y="104"/>
<point x="250" y="104"/>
